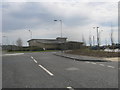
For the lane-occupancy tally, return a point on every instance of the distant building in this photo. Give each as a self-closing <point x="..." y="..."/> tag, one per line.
<point x="58" y="43"/>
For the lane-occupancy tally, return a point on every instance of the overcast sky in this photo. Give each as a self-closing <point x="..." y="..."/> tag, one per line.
<point x="78" y="18"/>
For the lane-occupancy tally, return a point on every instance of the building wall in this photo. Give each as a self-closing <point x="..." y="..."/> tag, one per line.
<point x="43" y="45"/>
<point x="75" y="45"/>
<point x="65" y="45"/>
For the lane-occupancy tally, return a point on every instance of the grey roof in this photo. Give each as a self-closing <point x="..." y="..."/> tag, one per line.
<point x="46" y="40"/>
<point x="52" y="41"/>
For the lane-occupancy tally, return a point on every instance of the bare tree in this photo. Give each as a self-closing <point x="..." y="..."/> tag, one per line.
<point x="19" y="42"/>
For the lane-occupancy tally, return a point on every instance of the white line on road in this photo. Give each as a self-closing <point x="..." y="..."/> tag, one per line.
<point x="12" y="54"/>
<point x="35" y="61"/>
<point x="70" y="88"/>
<point x="87" y="62"/>
<point x="46" y="70"/>
<point x="110" y="66"/>
<point x="102" y="64"/>
<point x="31" y="57"/>
<point x="93" y="63"/>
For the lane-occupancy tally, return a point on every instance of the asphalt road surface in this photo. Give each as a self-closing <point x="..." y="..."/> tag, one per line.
<point x="45" y="70"/>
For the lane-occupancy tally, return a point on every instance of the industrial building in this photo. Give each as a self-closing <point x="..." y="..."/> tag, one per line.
<point x="55" y="44"/>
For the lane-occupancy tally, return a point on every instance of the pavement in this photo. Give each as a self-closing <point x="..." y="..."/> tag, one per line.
<point x="46" y="70"/>
<point x="84" y="58"/>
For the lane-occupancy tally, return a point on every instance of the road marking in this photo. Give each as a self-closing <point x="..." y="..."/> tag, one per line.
<point x="87" y="62"/>
<point x="70" y="88"/>
<point x="31" y="57"/>
<point x="93" y="63"/>
<point x="13" y="54"/>
<point x="46" y="70"/>
<point x="35" y="61"/>
<point x="110" y="66"/>
<point x="102" y="64"/>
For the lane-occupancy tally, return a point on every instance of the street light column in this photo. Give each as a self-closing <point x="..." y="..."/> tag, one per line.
<point x="30" y="38"/>
<point x="6" y="40"/>
<point x="61" y="27"/>
<point x="30" y="34"/>
<point x="97" y="37"/>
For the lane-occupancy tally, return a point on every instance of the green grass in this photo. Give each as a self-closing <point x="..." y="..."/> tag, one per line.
<point x="95" y="53"/>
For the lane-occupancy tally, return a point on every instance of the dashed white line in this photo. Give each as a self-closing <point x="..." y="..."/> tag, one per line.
<point x="13" y="54"/>
<point x="35" y="61"/>
<point x="70" y="88"/>
<point x="87" y="62"/>
<point x="93" y="63"/>
<point x="110" y="66"/>
<point x="102" y="64"/>
<point x="31" y="57"/>
<point x="46" y="70"/>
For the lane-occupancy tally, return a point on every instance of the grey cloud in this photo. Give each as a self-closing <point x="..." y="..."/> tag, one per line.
<point x="15" y="20"/>
<point x="19" y="19"/>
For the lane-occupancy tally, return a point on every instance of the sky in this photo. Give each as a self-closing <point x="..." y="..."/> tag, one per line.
<point x="78" y="19"/>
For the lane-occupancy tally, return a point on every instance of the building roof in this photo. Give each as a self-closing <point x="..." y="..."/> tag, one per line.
<point x="54" y="41"/>
<point x="75" y="42"/>
<point x="46" y="40"/>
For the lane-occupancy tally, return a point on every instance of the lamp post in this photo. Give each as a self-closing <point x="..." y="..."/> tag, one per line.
<point x="6" y="40"/>
<point x="61" y="33"/>
<point x="90" y="41"/>
<point x="60" y="25"/>
<point x="30" y="34"/>
<point x="97" y="35"/>
<point x="30" y="38"/>
<point x="93" y="40"/>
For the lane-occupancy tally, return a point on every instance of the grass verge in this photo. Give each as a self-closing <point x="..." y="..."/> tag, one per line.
<point x="31" y="51"/>
<point x="94" y="53"/>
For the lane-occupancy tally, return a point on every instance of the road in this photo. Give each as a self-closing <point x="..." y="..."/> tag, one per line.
<point x="45" y="70"/>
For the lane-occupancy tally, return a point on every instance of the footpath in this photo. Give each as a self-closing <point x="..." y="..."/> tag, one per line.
<point x="85" y="58"/>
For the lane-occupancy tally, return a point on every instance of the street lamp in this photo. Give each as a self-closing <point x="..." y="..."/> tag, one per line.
<point x="30" y="34"/>
<point x="30" y="38"/>
<point x="97" y="35"/>
<point x="61" y="33"/>
<point x="90" y="41"/>
<point x="60" y="25"/>
<point x="93" y="40"/>
<point x="6" y="39"/>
